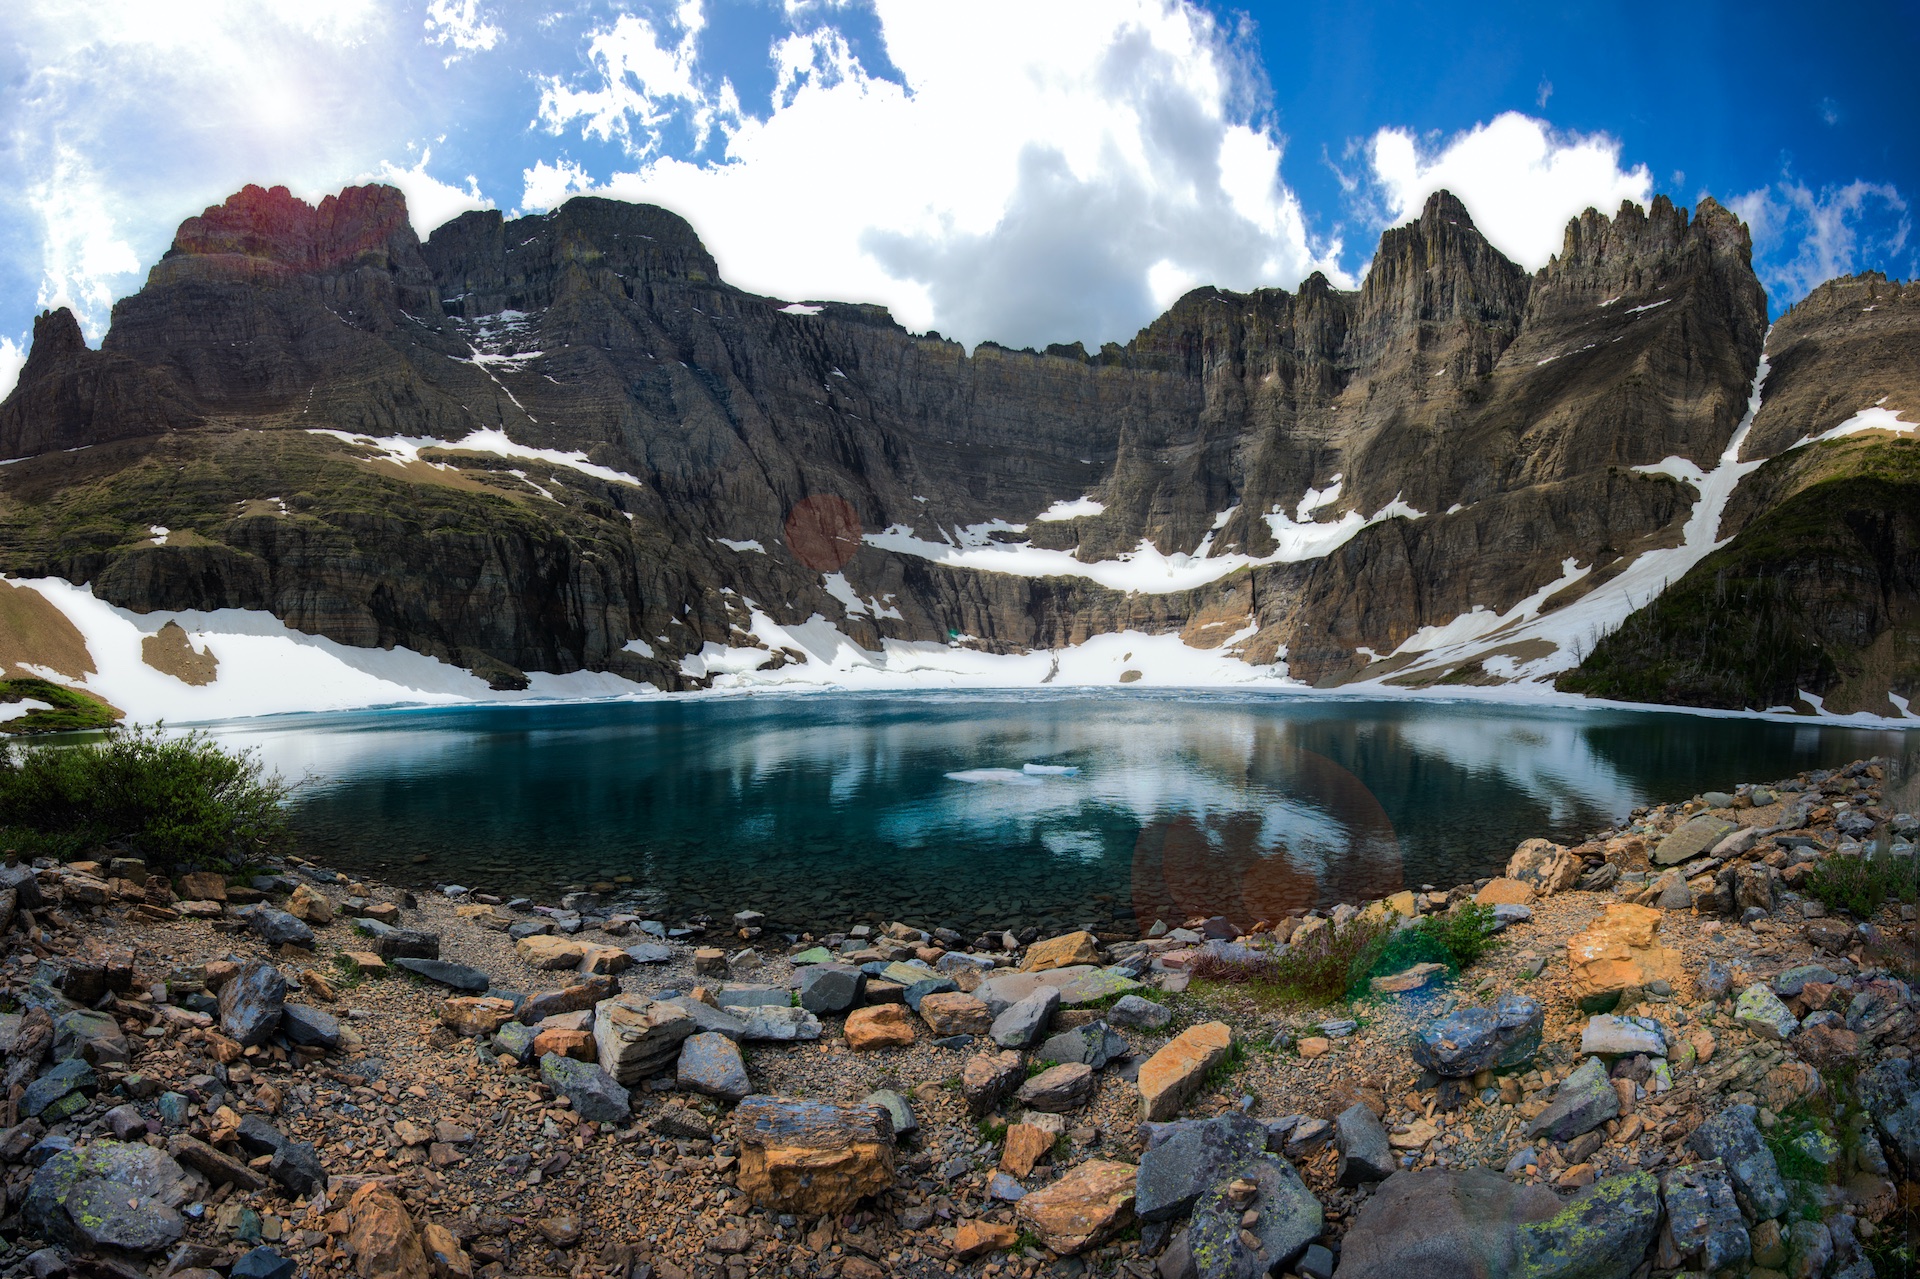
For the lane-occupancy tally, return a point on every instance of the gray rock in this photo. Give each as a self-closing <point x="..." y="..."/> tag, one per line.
<point x="919" y="990"/>
<point x="392" y="943"/>
<point x="278" y="928"/>
<point x="262" y="1263"/>
<point x="1137" y="1013"/>
<point x="1186" y="1159"/>
<point x="1289" y="1219"/>
<point x="295" y="1164"/>
<point x="707" y="1017"/>
<point x="1365" y="1154"/>
<point x="1671" y="892"/>
<point x="454" y="976"/>
<point x="127" y="1123"/>
<point x="1733" y="1138"/>
<point x="109" y="1195"/>
<point x="1794" y="980"/>
<point x="1891" y="1094"/>
<point x="1308" y="1135"/>
<point x="646" y="952"/>
<point x="1584" y="1101"/>
<point x="306" y="1025"/>
<point x="1714" y="981"/>
<point x="1760" y="1011"/>
<point x="97" y="1037"/>
<point x="1469" y="1227"/>
<point x="593" y="1092"/>
<point x="1601" y="1233"/>
<point x="1704" y="1226"/>
<point x="1315" y="1263"/>
<point x="1092" y="1045"/>
<point x="515" y="1040"/>
<point x="70" y="1078"/>
<point x="711" y="1063"/>
<point x="780" y="1024"/>
<point x="1024" y="1021"/>
<point x="1058" y="1089"/>
<point x="1809" y="1249"/>
<point x="24" y="886"/>
<point x="1692" y="838"/>
<point x="522" y="929"/>
<point x="898" y="1111"/>
<point x="831" y="988"/>
<point x="1611" y="1036"/>
<point x="252" y="1001"/>
<point x="1475" y="1039"/>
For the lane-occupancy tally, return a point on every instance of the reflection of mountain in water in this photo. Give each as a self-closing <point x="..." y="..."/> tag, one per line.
<point x="803" y="807"/>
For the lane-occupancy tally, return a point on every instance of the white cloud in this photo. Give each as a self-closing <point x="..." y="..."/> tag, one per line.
<point x="1041" y="173"/>
<point x="1803" y="237"/>
<point x="13" y="355"/>
<point x="430" y="201"/>
<point x="1521" y="179"/>
<point x="125" y="118"/>
<point x="461" y="24"/>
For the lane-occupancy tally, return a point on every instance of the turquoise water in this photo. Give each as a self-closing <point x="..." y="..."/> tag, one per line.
<point x="826" y="809"/>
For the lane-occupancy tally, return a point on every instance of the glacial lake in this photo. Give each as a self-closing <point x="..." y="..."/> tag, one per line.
<point x="980" y="809"/>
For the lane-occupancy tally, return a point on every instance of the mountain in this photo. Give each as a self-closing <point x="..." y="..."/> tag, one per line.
<point x="562" y="444"/>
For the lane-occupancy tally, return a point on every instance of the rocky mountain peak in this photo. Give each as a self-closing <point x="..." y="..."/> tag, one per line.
<point x="1435" y="270"/>
<point x="56" y="339"/>
<point x="1445" y="207"/>
<point x="272" y="225"/>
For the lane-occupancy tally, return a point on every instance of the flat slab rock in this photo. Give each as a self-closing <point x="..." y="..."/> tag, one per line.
<point x="453" y="976"/>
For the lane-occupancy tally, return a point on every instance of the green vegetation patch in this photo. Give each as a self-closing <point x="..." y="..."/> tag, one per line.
<point x="1862" y="885"/>
<point x="172" y="800"/>
<point x="1336" y="962"/>
<point x="70" y="710"/>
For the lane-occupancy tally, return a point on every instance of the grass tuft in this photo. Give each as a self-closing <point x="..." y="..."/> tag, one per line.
<point x="1862" y="885"/>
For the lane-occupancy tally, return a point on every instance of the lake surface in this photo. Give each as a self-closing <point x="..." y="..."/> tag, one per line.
<point x="827" y="809"/>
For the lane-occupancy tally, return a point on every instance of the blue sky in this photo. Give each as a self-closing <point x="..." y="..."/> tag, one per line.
<point x="1029" y="172"/>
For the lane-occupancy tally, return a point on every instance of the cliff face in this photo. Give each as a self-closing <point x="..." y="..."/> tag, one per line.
<point x="529" y="444"/>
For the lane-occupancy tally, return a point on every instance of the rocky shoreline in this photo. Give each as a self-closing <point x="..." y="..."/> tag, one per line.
<point x="1676" y="1060"/>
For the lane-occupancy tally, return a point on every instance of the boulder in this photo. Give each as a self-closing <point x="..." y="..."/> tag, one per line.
<point x="195" y="886"/>
<point x="1169" y="1077"/>
<point x="898" y="1111"/>
<point x="109" y="1194"/>
<point x="1025" y="1146"/>
<point x="1065" y="1087"/>
<point x="1760" y="1011"/>
<point x="977" y="1238"/>
<point x="1023" y="1022"/>
<point x="548" y="952"/>
<point x="1061" y="952"/>
<point x="565" y="1041"/>
<point x="831" y="988"/>
<point x="1891" y="1095"/>
<point x="1087" y="1206"/>
<point x="308" y="1027"/>
<point x="392" y="943"/>
<point x="385" y="1242"/>
<point x="1092" y="1045"/>
<point x="278" y="928"/>
<point x="1692" y="838"/>
<point x="1469" y="1226"/>
<point x="251" y="1003"/>
<point x="515" y="1039"/>
<point x="809" y="1158"/>
<point x="596" y="1096"/>
<point x="953" y="1013"/>
<point x="216" y="1166"/>
<point x="780" y="1023"/>
<point x="1611" y="1036"/>
<point x="1545" y="865"/>
<point x="712" y="1064"/>
<point x="470" y="1016"/>
<point x="1704" y="1231"/>
<point x="637" y="1036"/>
<point x="1620" y="950"/>
<point x="1190" y="1159"/>
<point x="1464" y="1043"/>
<point x="881" y="1026"/>
<point x="94" y="1036"/>
<point x="262" y="1263"/>
<point x="744" y="995"/>
<point x="987" y="1077"/>
<point x="453" y="976"/>
<point x="708" y="1018"/>
<point x="582" y="995"/>
<point x="310" y="906"/>
<point x="1585" y="1100"/>
<point x="1226" y="1245"/>
<point x="1506" y="892"/>
<point x="1139" y="1014"/>
<point x="1601" y="1233"/>
<point x="60" y="1091"/>
<point x="1733" y="1138"/>
<point x="1365" y="1154"/>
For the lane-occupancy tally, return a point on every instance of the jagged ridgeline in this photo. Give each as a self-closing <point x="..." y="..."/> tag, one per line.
<point x="563" y="443"/>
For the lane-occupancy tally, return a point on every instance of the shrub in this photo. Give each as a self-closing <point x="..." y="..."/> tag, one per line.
<point x="170" y="800"/>
<point x="1335" y="962"/>
<point x="1861" y="885"/>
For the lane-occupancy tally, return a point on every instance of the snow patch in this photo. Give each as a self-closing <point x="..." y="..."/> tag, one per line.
<point x="749" y="544"/>
<point x="1317" y="498"/>
<point x="1683" y="469"/>
<point x="406" y="449"/>
<point x="159" y="534"/>
<point x="1635" y="310"/>
<point x="16" y="710"/>
<point x="1873" y="419"/>
<point x="800" y="308"/>
<point x="639" y="646"/>
<point x="1078" y="508"/>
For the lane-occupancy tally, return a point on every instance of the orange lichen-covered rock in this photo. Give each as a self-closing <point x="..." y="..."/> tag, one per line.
<point x="1621" y="950"/>
<point x="1169" y="1076"/>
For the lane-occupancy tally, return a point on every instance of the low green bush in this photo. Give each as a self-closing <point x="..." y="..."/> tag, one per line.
<point x="1335" y="962"/>
<point x="66" y="710"/>
<point x="171" y="799"/>
<point x="1862" y="885"/>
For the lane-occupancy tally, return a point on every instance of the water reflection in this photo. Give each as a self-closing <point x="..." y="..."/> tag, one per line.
<point x="824" y="808"/>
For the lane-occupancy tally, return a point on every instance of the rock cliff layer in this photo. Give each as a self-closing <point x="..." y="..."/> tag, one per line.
<point x="562" y="442"/>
